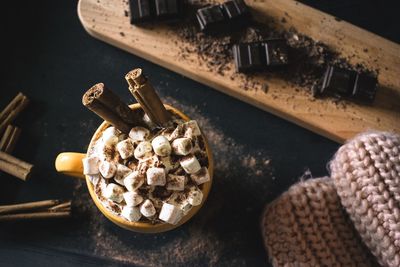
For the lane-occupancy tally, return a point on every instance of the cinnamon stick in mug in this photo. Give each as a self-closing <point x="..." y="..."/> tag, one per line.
<point x="109" y="107"/>
<point x="147" y="97"/>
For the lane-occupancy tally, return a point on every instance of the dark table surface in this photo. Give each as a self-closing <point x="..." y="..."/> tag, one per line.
<point x="49" y="57"/>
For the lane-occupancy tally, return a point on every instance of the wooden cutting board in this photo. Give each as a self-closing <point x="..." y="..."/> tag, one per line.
<point x="107" y="21"/>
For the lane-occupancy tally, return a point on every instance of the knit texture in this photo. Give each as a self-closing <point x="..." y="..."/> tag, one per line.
<point x="366" y="174"/>
<point x="307" y="226"/>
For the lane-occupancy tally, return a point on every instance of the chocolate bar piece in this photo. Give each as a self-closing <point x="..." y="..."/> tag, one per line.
<point x="150" y="10"/>
<point x="216" y="18"/>
<point x="338" y="81"/>
<point x="365" y="88"/>
<point x="269" y="54"/>
<point x="348" y="83"/>
<point x="168" y="9"/>
<point x="235" y="9"/>
<point x="276" y="53"/>
<point x="211" y="19"/>
<point x="249" y="57"/>
<point x="140" y="11"/>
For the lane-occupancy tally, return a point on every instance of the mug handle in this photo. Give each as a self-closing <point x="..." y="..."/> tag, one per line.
<point x="70" y="163"/>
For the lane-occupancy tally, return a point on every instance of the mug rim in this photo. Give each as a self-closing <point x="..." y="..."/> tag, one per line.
<point x="147" y="227"/>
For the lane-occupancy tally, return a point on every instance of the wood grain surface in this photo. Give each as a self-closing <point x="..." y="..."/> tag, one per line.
<point x="106" y="20"/>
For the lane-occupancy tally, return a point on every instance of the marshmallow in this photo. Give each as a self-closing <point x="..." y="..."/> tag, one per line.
<point x="125" y="148"/>
<point x="161" y="146"/>
<point x="156" y="176"/>
<point x="133" y="198"/>
<point x="194" y="196"/>
<point x="175" y="182"/>
<point x="90" y="165"/>
<point x="107" y="169"/>
<point x="147" y="208"/>
<point x="182" y="146"/>
<point x="102" y="151"/>
<point x="201" y="176"/>
<point x="144" y="164"/>
<point x="191" y="129"/>
<point x="114" y="192"/>
<point x="130" y="213"/>
<point x="143" y="150"/>
<point x="190" y="164"/>
<point x="139" y="134"/>
<point x="122" y="172"/>
<point x="133" y="181"/>
<point x="180" y="200"/>
<point x="170" y="213"/>
<point x="110" y="136"/>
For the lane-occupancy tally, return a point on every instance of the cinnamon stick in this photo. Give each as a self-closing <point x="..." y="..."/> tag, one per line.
<point x="62" y="207"/>
<point x="147" y="97"/>
<point x="109" y="107"/>
<point x="44" y="204"/>
<point x="35" y="210"/>
<point x="9" y="138"/>
<point x="35" y="216"/>
<point x="12" y="110"/>
<point x="15" y="166"/>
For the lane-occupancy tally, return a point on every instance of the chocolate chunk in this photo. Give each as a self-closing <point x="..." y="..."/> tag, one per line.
<point x="347" y="83"/>
<point x="235" y="9"/>
<point x="256" y="56"/>
<point x="216" y="18"/>
<point x="168" y="9"/>
<point x="249" y="57"/>
<point x="150" y="10"/>
<point x="276" y="52"/>
<point x="211" y="19"/>
<point x="338" y="81"/>
<point x="140" y="11"/>
<point x="365" y="88"/>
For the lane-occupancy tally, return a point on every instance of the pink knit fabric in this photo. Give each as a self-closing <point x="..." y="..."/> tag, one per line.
<point x="366" y="174"/>
<point x="307" y="226"/>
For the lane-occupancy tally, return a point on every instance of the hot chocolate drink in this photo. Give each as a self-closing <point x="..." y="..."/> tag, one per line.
<point x="151" y="174"/>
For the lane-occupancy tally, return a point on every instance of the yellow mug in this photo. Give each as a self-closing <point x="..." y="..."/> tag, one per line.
<point x="70" y="163"/>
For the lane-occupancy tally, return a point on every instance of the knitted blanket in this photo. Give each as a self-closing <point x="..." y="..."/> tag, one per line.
<point x="340" y="221"/>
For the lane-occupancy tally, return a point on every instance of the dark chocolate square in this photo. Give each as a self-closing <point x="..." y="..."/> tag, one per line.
<point x="365" y="88"/>
<point x="248" y="57"/>
<point x="167" y="8"/>
<point x="338" y="81"/>
<point x="210" y="18"/>
<point x="161" y="7"/>
<point x="140" y="11"/>
<point x="276" y="52"/>
<point x="235" y="9"/>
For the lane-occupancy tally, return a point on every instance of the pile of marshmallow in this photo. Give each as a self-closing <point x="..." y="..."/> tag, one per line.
<point x="146" y="161"/>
